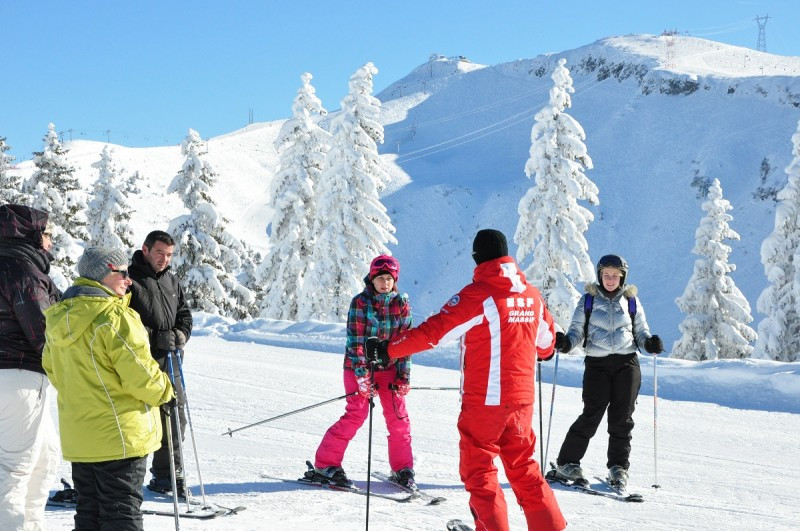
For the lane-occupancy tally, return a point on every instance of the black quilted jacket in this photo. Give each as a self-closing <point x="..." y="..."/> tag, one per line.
<point x="25" y="289"/>
<point x="159" y="300"/>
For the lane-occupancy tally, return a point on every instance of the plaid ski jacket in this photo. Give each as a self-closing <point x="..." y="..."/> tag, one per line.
<point x="383" y="315"/>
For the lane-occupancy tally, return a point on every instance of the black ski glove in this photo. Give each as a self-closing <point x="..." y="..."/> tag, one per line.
<point x="165" y="340"/>
<point x="654" y="345"/>
<point x="166" y="407"/>
<point x="377" y="351"/>
<point x="180" y="339"/>
<point x="563" y="343"/>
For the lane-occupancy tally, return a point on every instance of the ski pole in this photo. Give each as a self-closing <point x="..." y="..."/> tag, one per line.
<point x="541" y="422"/>
<point x="231" y="432"/>
<point x="176" y="416"/>
<point x="393" y="387"/>
<point x="191" y="427"/>
<point x="552" y="402"/>
<point x="172" y="477"/>
<point x="655" y="420"/>
<point x="369" y="444"/>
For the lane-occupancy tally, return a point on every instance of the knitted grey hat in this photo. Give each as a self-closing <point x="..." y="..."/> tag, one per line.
<point x="97" y="262"/>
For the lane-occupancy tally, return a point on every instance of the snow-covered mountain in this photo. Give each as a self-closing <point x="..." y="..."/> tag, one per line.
<point x="663" y="116"/>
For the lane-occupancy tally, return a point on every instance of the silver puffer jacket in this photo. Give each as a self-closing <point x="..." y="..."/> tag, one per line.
<point x="610" y="330"/>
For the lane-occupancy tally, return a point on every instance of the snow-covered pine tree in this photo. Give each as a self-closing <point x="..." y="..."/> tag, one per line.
<point x="351" y="222"/>
<point x="716" y="311"/>
<point x="132" y="185"/>
<point x="302" y="145"/>
<point x="194" y="181"/>
<point x="249" y="277"/>
<point x="551" y="223"/>
<point x="207" y="255"/>
<point x="10" y="185"/>
<point x="779" y="331"/>
<point x="54" y="188"/>
<point x="109" y="224"/>
<point x="366" y="110"/>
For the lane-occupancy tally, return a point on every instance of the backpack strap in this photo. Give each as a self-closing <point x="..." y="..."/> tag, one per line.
<point x="588" y="302"/>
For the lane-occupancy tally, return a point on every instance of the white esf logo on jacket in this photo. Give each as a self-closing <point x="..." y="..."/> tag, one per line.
<point x="521" y="309"/>
<point x="519" y="302"/>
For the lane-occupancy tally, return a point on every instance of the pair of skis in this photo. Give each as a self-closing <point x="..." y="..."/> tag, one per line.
<point x="200" y="512"/>
<point x="197" y="509"/>
<point x="614" y="492"/>
<point x="428" y="498"/>
<point x="68" y="498"/>
<point x="409" y="494"/>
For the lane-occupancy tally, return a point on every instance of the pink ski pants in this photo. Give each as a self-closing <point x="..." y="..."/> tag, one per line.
<point x="334" y="444"/>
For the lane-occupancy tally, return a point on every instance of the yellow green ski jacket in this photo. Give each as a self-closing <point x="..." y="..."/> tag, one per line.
<point x="98" y="358"/>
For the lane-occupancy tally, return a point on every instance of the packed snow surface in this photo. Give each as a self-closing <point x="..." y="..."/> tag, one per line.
<point x="728" y="455"/>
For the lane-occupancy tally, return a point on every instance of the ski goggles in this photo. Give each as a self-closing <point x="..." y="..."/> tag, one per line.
<point x="384" y="263"/>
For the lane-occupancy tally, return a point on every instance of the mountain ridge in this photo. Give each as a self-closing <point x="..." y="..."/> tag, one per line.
<point x="460" y="143"/>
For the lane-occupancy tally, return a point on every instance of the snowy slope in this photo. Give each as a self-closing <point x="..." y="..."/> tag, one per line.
<point x="651" y="133"/>
<point x="660" y="121"/>
<point x="723" y="461"/>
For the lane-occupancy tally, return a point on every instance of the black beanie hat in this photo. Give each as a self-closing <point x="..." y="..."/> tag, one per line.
<point x="488" y="245"/>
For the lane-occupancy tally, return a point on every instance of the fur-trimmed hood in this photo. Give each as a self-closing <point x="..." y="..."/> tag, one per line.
<point x="610" y="328"/>
<point x="593" y="289"/>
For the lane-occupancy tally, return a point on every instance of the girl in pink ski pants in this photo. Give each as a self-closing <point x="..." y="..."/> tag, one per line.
<point x="378" y="311"/>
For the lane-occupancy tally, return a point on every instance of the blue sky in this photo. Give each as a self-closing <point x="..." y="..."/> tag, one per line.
<point x="140" y="73"/>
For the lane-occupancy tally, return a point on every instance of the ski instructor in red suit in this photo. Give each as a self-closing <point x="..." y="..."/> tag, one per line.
<point x="505" y="326"/>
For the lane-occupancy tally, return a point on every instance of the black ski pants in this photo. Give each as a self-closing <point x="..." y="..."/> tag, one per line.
<point x="611" y="382"/>
<point x="109" y="494"/>
<point x="160" y="468"/>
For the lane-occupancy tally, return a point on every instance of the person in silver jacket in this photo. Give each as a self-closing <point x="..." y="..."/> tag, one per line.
<point x="611" y="338"/>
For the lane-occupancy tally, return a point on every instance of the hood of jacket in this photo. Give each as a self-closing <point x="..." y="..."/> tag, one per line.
<point x="18" y="222"/>
<point x="21" y="229"/>
<point x="502" y="272"/>
<point x="79" y="307"/>
<point x="594" y="290"/>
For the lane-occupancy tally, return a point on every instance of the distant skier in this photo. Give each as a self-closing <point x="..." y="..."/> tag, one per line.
<point x="380" y="310"/>
<point x="611" y="378"/>
<point x="505" y="326"/>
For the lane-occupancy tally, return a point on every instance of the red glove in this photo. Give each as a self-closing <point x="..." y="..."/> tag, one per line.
<point x="402" y="387"/>
<point x="365" y="387"/>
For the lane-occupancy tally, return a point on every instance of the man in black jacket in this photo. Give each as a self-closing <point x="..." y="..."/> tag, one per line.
<point x="158" y="298"/>
<point x="29" y="452"/>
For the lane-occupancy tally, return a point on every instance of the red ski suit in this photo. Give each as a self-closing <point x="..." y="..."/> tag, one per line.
<point x="505" y="325"/>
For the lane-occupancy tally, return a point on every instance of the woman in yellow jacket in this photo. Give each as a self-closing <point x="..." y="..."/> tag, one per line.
<point x="109" y="387"/>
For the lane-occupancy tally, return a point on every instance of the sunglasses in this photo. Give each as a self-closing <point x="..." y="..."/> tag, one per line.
<point x="123" y="272"/>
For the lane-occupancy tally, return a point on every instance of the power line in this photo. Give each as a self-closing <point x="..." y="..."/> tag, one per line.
<point x="490" y="129"/>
